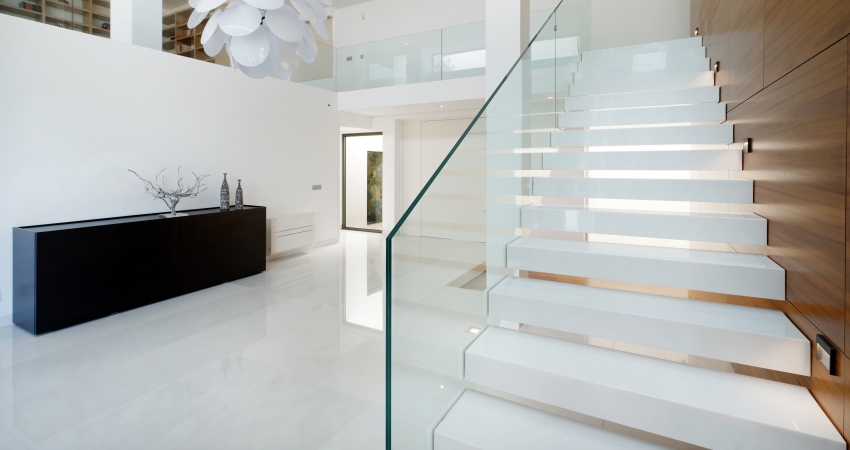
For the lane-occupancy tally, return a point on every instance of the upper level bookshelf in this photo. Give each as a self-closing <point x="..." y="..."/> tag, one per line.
<point x="86" y="16"/>
<point x="177" y="38"/>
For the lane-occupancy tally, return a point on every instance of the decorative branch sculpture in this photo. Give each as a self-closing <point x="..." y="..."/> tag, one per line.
<point x="172" y="197"/>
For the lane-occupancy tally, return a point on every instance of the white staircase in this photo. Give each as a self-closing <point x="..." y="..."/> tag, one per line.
<point x="651" y="108"/>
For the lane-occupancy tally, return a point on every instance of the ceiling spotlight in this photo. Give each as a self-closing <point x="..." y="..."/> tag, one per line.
<point x="473" y="330"/>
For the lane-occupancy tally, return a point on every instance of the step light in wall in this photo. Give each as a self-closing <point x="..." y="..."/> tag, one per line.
<point x="473" y="330"/>
<point x="717" y="66"/>
<point x="825" y="353"/>
<point x="696" y="31"/>
<point x="748" y="145"/>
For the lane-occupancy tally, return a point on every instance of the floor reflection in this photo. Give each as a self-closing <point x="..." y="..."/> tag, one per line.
<point x="291" y="358"/>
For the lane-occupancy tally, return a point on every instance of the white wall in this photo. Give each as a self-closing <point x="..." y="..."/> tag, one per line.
<point x="79" y="110"/>
<point x="627" y="22"/>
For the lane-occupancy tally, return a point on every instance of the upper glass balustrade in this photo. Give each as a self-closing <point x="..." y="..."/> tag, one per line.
<point x="444" y="54"/>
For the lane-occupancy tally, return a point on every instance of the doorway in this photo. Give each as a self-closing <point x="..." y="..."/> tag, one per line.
<point x="362" y="182"/>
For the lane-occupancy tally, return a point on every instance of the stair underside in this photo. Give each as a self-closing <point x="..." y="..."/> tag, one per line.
<point x="752" y="336"/>
<point x="712" y="112"/>
<point x="720" y="272"/>
<point x="700" y="406"/>
<point x="687" y="190"/>
<point x="705" y="227"/>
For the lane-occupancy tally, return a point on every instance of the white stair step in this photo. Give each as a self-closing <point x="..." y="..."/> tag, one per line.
<point x="726" y="228"/>
<point x="718" y="191"/>
<point x="703" y="407"/>
<point x="656" y="83"/>
<point x="652" y="47"/>
<point x="753" y="336"/>
<point x="665" y="68"/>
<point x="722" y="160"/>
<point x="643" y="59"/>
<point x="718" y="160"/>
<point x="701" y="134"/>
<point x="480" y="421"/>
<point x="702" y="94"/>
<point x="721" y="272"/>
<point x="715" y="112"/>
<point x="524" y="122"/>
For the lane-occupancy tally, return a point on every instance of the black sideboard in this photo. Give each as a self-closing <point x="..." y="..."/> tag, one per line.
<point x="70" y="273"/>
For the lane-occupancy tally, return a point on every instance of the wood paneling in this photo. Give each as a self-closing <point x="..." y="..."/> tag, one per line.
<point x="847" y="209"/>
<point x="717" y="44"/>
<point x="799" y="132"/>
<point x="796" y="30"/>
<point x="746" y="52"/>
<point x="695" y="4"/>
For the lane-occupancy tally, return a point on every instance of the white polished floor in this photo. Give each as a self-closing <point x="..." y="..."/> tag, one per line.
<point x="292" y="358"/>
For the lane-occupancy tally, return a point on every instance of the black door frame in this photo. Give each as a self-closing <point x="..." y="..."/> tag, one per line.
<point x="344" y="226"/>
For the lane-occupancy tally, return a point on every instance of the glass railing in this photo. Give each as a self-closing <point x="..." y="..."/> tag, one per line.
<point x="449" y="248"/>
<point x="455" y="52"/>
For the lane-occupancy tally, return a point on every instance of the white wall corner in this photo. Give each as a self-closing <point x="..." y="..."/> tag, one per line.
<point x="507" y="35"/>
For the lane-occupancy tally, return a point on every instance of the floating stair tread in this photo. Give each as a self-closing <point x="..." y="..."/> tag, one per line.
<point x="702" y="94"/>
<point x="701" y="270"/>
<point x="715" y="112"/>
<point x="480" y="421"/>
<point x="722" y="160"/>
<point x="664" y="68"/>
<point x="699" y="134"/>
<point x="652" y="47"/>
<point x="730" y="228"/>
<point x="656" y="83"/>
<point x="753" y="336"/>
<point x="643" y="59"/>
<point x="704" y="407"/>
<point x="687" y="190"/>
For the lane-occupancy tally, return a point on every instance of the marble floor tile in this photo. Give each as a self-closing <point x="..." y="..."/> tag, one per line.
<point x="359" y="372"/>
<point x="303" y="346"/>
<point x="269" y="361"/>
<point x="366" y="431"/>
<point x="296" y="415"/>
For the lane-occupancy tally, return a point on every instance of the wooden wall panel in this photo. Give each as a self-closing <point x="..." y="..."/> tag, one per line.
<point x="695" y="5"/>
<point x="796" y="30"/>
<point x="717" y="44"/>
<point x="746" y="52"/>
<point x="847" y="209"/>
<point x="799" y="132"/>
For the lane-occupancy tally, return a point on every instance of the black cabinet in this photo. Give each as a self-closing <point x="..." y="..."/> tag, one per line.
<point x="67" y="274"/>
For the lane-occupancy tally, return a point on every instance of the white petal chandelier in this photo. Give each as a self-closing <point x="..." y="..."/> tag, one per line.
<point x="261" y="35"/>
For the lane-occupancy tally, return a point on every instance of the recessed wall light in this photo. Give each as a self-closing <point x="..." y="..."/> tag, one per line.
<point x="441" y="106"/>
<point x="550" y="98"/>
<point x="696" y="31"/>
<point x="441" y="386"/>
<point x="473" y="330"/>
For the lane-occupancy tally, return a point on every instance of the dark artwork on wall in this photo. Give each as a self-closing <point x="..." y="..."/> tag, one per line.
<point x="374" y="186"/>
